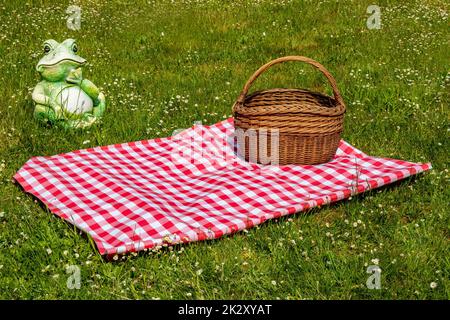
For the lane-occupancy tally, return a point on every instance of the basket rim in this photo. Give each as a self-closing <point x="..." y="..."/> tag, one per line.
<point x="335" y="108"/>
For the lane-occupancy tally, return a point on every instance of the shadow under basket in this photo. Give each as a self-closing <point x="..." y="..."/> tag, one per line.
<point x="288" y="126"/>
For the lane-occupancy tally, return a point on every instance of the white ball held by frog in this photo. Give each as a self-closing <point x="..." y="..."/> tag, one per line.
<point x="75" y="101"/>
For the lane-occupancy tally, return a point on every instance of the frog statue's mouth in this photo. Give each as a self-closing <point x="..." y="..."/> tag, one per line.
<point x="59" y="69"/>
<point x="78" y="62"/>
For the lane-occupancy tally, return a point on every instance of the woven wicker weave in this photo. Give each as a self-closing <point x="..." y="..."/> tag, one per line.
<point x="309" y="124"/>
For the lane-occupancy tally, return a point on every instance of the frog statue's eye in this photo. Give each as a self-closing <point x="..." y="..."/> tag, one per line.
<point x="47" y="48"/>
<point x="74" y="48"/>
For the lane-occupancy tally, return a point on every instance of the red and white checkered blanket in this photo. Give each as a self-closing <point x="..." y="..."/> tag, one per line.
<point x="191" y="187"/>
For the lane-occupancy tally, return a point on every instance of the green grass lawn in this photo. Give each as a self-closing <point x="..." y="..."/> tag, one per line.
<point x="164" y="65"/>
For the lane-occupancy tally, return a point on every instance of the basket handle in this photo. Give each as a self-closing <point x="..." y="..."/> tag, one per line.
<point x="336" y="93"/>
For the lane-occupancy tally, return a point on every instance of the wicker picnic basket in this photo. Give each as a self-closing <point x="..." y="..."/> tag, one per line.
<point x="308" y="124"/>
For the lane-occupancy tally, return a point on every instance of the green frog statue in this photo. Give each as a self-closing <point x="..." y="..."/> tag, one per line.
<point x="63" y="97"/>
